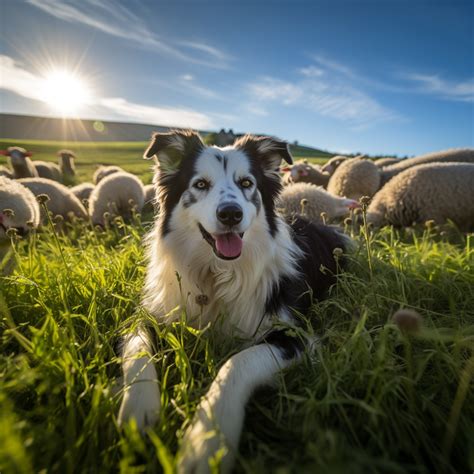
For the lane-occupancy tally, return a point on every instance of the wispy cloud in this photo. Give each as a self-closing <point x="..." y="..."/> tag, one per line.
<point x="188" y="81"/>
<point x="15" y="78"/>
<point x="450" y="90"/>
<point x="324" y="95"/>
<point x="117" y="20"/>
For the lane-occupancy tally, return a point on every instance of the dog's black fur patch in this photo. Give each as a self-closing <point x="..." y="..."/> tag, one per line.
<point x="318" y="268"/>
<point x="289" y="345"/>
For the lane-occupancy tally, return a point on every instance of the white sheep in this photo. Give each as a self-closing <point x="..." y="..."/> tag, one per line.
<point x="4" y="171"/>
<point x="310" y="201"/>
<point x="434" y="191"/>
<point x="118" y="194"/>
<point x="48" y="170"/>
<point x="457" y="155"/>
<point x="66" y="165"/>
<point x="355" y="178"/>
<point x="150" y="204"/>
<point x="303" y="172"/>
<point x="83" y="191"/>
<point x="61" y="200"/>
<point x="383" y="162"/>
<point x="20" y="162"/>
<point x="102" y="171"/>
<point x="18" y="208"/>
<point x="334" y="163"/>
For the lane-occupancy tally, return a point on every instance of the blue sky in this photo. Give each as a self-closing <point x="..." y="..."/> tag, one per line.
<point x="371" y="76"/>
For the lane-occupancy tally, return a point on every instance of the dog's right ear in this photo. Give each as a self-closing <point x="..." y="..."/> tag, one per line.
<point x="171" y="148"/>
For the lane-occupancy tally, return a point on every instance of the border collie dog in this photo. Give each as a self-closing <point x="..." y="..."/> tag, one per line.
<point x="218" y="229"/>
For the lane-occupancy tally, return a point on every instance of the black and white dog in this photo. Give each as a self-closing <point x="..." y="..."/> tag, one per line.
<point x="219" y="230"/>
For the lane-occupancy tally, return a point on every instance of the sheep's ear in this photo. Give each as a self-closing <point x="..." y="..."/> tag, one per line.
<point x="267" y="150"/>
<point x="28" y="153"/>
<point x="172" y="147"/>
<point x="4" y="153"/>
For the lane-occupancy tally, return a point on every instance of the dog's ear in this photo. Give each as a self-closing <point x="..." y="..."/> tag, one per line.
<point x="171" y="148"/>
<point x="268" y="151"/>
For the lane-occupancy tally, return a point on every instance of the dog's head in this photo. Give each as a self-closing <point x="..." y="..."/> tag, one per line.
<point x="220" y="191"/>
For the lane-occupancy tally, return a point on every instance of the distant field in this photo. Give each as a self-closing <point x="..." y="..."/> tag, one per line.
<point x="128" y="155"/>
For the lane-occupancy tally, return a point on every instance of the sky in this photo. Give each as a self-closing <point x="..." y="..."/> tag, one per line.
<point x="371" y="76"/>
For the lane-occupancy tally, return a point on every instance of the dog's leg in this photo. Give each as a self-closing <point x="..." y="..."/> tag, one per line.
<point x="218" y="421"/>
<point x="141" y="396"/>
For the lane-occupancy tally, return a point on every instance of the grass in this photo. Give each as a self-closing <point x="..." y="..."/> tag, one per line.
<point x="128" y="155"/>
<point x="370" y="399"/>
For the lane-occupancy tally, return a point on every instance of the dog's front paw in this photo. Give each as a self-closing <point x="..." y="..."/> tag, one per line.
<point x="204" y="446"/>
<point x="141" y="402"/>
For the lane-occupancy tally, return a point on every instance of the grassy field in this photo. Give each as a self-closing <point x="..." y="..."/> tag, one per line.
<point x="371" y="399"/>
<point x="128" y="155"/>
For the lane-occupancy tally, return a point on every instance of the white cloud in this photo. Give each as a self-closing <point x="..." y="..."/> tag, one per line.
<point x="311" y="71"/>
<point x="117" y="20"/>
<point x="450" y="90"/>
<point x="15" y="78"/>
<point x="188" y="81"/>
<point x="156" y="115"/>
<point x="326" y="96"/>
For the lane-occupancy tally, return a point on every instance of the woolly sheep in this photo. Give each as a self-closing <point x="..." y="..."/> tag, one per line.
<point x="66" y="165"/>
<point x="458" y="155"/>
<point x="48" y="170"/>
<point x="118" y="194"/>
<point x="318" y="200"/>
<point x="21" y="201"/>
<point x="355" y="178"/>
<point x="434" y="191"/>
<point x="4" y="171"/>
<point x="82" y="191"/>
<point x="382" y="162"/>
<point x="302" y="172"/>
<point x="61" y="200"/>
<point x="102" y="171"/>
<point x="20" y="161"/>
<point x="334" y="163"/>
<point x="150" y="204"/>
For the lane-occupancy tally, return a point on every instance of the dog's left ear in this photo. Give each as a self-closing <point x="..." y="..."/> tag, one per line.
<point x="171" y="148"/>
<point x="268" y="151"/>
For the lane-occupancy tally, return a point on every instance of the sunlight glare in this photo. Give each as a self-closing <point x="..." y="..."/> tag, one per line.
<point x="65" y="92"/>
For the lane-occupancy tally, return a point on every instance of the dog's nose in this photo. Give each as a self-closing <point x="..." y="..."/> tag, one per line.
<point x="229" y="214"/>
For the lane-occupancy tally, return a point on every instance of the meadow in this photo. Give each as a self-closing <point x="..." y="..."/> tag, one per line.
<point x="371" y="398"/>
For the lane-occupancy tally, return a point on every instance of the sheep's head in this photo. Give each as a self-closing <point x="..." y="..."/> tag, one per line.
<point x="16" y="154"/>
<point x="66" y="160"/>
<point x="304" y="172"/>
<point x="333" y="164"/>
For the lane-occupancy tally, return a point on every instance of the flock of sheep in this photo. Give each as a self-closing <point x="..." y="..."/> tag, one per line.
<point x="438" y="186"/>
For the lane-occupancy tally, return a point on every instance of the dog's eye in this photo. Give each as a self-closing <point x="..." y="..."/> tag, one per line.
<point x="245" y="183"/>
<point x="201" y="184"/>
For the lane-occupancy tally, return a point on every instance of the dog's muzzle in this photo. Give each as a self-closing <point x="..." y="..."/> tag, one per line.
<point x="227" y="246"/>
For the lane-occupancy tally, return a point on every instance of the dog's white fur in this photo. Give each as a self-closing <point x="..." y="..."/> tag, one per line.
<point x="237" y="289"/>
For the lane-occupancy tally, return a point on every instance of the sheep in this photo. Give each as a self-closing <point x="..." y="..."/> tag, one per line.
<point x="355" y="178"/>
<point x="66" y="165"/>
<point x="310" y="201"/>
<point x="20" y="161"/>
<point x="302" y="172"/>
<point x="117" y="194"/>
<point x="83" y="191"/>
<point x="150" y="204"/>
<point x="382" y="162"/>
<point x="102" y="171"/>
<point x="4" y="171"/>
<point x="48" y="170"/>
<point x="18" y="208"/>
<point x="433" y="191"/>
<point x="61" y="202"/>
<point x="334" y="163"/>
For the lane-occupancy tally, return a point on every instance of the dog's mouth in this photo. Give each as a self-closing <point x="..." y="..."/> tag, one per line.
<point x="227" y="246"/>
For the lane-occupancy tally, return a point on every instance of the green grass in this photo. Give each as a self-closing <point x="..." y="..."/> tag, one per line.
<point x="128" y="155"/>
<point x="370" y="399"/>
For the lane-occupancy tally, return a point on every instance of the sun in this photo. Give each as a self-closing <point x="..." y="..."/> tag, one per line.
<point x="65" y="92"/>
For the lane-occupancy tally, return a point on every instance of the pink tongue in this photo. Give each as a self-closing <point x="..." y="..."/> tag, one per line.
<point x="229" y="245"/>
